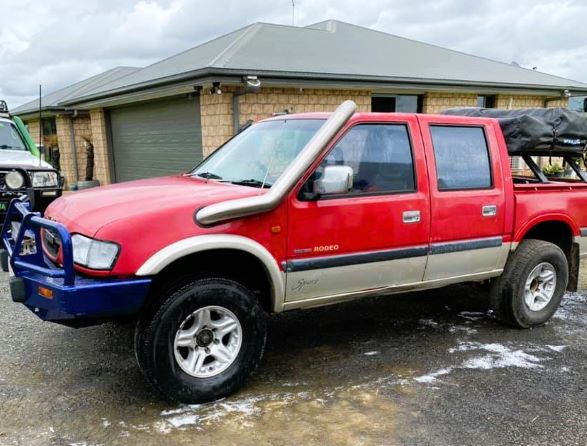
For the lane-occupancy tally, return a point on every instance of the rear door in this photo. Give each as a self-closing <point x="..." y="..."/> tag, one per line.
<point x="373" y="237"/>
<point x="467" y="196"/>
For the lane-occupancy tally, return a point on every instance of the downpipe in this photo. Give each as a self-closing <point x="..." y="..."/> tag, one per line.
<point x="243" y="207"/>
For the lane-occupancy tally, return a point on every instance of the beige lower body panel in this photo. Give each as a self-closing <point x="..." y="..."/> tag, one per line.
<point x="325" y="286"/>
<point x="343" y="297"/>
<point x="466" y="263"/>
<point x="326" y="282"/>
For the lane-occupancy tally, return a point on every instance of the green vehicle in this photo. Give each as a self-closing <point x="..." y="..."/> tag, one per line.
<point x="22" y="171"/>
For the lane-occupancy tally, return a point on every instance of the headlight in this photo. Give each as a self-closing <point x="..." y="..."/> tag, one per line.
<point x="14" y="180"/>
<point x="45" y="179"/>
<point x="94" y="254"/>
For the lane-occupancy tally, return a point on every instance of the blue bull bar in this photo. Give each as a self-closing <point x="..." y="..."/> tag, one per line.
<point x="56" y="292"/>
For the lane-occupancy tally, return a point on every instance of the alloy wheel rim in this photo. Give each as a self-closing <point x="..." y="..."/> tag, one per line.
<point x="208" y="341"/>
<point x="540" y="286"/>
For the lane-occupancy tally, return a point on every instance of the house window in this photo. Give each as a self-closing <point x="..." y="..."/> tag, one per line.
<point x="401" y="103"/>
<point x="383" y="104"/>
<point x="49" y="127"/>
<point x="484" y="101"/>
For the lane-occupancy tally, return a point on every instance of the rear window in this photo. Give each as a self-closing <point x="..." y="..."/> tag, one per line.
<point x="462" y="158"/>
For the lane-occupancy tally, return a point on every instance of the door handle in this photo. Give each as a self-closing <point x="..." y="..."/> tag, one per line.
<point x="411" y="216"/>
<point x="489" y="210"/>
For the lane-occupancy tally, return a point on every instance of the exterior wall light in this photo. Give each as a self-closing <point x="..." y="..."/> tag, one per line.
<point x="216" y="88"/>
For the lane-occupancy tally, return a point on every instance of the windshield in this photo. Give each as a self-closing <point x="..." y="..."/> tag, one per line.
<point x="10" y="138"/>
<point x="260" y="154"/>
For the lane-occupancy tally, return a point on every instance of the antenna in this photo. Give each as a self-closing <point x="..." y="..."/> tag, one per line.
<point x="293" y="12"/>
<point x="40" y="124"/>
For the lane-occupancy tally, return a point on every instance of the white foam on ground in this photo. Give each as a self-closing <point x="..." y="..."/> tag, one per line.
<point x="557" y="348"/>
<point x="199" y="415"/>
<point x="428" y="323"/>
<point x="472" y="315"/>
<point x="372" y="353"/>
<point x="567" y="310"/>
<point x="495" y="356"/>
<point x="431" y="377"/>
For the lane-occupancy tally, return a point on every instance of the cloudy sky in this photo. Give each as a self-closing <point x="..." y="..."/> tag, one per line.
<point x="58" y="42"/>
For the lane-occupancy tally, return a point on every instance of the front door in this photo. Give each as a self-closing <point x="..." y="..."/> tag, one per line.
<point x="375" y="236"/>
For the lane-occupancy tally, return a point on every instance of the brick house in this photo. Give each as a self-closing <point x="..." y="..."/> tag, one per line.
<point x="166" y="117"/>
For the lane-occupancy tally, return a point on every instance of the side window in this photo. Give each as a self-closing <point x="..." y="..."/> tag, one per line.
<point x="380" y="155"/>
<point x="462" y="158"/>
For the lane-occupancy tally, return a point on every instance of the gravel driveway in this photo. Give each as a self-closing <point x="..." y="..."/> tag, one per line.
<point x="421" y="368"/>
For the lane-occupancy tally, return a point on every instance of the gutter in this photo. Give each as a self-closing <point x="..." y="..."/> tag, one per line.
<point x="243" y="207"/>
<point x="195" y="75"/>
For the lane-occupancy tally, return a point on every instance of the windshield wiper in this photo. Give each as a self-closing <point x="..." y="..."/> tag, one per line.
<point x="252" y="182"/>
<point x="208" y="175"/>
<point x="6" y="147"/>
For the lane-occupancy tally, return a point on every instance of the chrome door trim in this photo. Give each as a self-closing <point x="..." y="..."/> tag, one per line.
<point x="411" y="217"/>
<point x="489" y="210"/>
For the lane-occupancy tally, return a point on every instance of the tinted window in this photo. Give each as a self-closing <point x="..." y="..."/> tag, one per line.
<point x="380" y="156"/>
<point x="462" y="159"/>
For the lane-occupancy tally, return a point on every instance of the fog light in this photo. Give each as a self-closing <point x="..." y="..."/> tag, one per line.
<point x="45" y="292"/>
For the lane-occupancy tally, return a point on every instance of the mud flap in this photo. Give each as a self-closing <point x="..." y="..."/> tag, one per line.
<point x="574" y="262"/>
<point x="4" y="260"/>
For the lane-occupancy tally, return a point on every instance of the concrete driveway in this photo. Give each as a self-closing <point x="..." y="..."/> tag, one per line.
<point x="422" y="368"/>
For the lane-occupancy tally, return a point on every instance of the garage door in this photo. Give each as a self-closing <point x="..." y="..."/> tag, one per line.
<point x="156" y="138"/>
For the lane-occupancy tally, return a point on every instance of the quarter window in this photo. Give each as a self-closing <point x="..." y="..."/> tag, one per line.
<point x="462" y="158"/>
<point x="380" y="155"/>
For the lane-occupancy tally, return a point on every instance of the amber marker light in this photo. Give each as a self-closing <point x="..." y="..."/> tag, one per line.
<point x="275" y="229"/>
<point x="45" y="292"/>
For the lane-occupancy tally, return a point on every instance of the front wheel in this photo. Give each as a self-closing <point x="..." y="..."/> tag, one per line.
<point x="203" y="342"/>
<point x="531" y="287"/>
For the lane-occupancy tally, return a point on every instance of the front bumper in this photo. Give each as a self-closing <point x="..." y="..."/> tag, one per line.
<point x="58" y="294"/>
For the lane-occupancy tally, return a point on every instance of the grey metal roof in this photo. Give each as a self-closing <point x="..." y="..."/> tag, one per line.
<point x="330" y="50"/>
<point x="53" y="100"/>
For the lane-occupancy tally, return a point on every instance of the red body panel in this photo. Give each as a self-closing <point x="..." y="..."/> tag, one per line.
<point x="457" y="215"/>
<point x="361" y="223"/>
<point x="145" y="216"/>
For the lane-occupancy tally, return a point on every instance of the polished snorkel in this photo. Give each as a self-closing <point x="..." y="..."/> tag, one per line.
<point x="262" y="203"/>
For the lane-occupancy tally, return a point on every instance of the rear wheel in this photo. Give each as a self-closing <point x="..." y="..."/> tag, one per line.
<point x="203" y="342"/>
<point x="531" y="287"/>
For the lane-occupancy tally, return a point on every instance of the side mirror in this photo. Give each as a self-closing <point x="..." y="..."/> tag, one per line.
<point x="334" y="180"/>
<point x="585" y="105"/>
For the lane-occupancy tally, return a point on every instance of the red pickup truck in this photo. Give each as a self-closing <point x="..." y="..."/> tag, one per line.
<point x="294" y="212"/>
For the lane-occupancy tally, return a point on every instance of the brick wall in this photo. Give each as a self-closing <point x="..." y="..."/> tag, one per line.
<point x="33" y="128"/>
<point x="100" y="141"/>
<point x="217" y="113"/>
<point x="216" y="118"/>
<point x="81" y="127"/>
<point x="65" y="149"/>
<point x="436" y="102"/>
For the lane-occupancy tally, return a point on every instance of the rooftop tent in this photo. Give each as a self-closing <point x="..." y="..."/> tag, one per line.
<point x="536" y="131"/>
